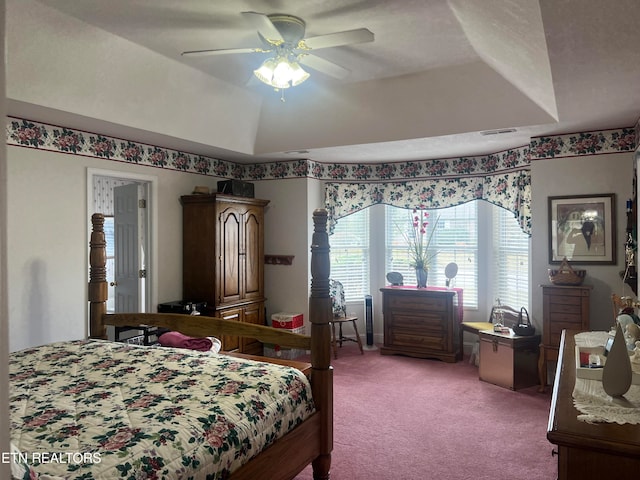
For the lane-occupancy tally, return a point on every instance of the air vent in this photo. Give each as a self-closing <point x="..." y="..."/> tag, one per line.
<point x="498" y="132"/>
<point x="297" y="152"/>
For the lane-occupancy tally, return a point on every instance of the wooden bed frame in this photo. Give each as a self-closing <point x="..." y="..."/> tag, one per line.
<point x="311" y="441"/>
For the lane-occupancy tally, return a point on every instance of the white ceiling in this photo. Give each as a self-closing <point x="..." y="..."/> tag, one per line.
<point x="572" y="65"/>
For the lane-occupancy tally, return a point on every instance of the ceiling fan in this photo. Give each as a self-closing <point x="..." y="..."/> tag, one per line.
<point x="283" y="36"/>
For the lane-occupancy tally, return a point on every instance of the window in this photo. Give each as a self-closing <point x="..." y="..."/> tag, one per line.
<point x="454" y="239"/>
<point x="350" y="254"/>
<point x="485" y="241"/>
<point x="511" y="260"/>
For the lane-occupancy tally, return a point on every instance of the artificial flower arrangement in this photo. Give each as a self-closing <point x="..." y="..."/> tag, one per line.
<point x="418" y="239"/>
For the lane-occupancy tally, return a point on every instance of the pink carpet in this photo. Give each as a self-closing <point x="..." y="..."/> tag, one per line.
<point x="402" y="418"/>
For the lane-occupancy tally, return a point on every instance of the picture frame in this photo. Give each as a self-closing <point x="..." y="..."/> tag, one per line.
<point x="582" y="228"/>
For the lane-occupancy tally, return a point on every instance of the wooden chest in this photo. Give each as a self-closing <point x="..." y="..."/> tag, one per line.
<point x="509" y="361"/>
<point x="420" y="322"/>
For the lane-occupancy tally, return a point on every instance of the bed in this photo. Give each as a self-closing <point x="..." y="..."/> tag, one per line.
<point x="98" y="409"/>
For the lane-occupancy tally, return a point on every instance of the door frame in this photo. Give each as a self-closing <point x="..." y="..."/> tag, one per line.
<point x="151" y="227"/>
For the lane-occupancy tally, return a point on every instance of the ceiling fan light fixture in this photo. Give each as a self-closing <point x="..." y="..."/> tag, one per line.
<point x="280" y="72"/>
<point x="265" y="72"/>
<point x="284" y="35"/>
<point x="298" y="74"/>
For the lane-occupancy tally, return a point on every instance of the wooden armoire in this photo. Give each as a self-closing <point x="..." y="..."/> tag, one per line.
<point x="223" y="260"/>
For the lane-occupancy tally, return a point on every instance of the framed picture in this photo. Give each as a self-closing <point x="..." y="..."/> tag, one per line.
<point x="582" y="228"/>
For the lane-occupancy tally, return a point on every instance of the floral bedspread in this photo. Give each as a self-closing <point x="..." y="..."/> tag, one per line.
<point x="101" y="410"/>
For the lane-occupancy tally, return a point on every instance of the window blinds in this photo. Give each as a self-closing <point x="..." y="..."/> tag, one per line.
<point x="350" y="254"/>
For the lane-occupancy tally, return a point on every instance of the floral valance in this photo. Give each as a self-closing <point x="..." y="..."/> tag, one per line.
<point x="510" y="190"/>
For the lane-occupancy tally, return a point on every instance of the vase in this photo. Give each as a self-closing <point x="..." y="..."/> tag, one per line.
<point x="617" y="374"/>
<point x="421" y="276"/>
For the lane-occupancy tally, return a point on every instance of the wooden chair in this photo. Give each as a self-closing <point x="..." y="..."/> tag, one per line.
<point x="620" y="303"/>
<point x="340" y="317"/>
<point x="504" y="314"/>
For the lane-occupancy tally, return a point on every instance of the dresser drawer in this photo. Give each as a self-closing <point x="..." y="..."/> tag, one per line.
<point x="425" y="322"/>
<point x="417" y="303"/>
<point x="410" y="339"/>
<point x="570" y="307"/>
<point x="574" y="319"/>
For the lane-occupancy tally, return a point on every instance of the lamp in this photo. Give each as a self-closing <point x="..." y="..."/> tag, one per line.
<point x="281" y="71"/>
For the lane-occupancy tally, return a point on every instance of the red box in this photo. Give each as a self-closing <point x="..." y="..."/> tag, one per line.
<point x="289" y="321"/>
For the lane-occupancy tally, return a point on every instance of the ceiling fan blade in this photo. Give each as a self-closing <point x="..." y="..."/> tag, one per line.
<point x="360" y="35"/>
<point x="324" y="66"/>
<point x="265" y="27"/>
<point x="223" y="51"/>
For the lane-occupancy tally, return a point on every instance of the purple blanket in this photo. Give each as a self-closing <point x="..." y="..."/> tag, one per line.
<point x="178" y="340"/>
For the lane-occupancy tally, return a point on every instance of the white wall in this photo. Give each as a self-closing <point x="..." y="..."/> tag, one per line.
<point x="595" y="174"/>
<point x="47" y="239"/>
<point x="288" y="229"/>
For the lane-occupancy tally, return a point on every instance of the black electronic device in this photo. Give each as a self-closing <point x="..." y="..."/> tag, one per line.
<point x="236" y="187"/>
<point x="182" y="306"/>
<point x="368" y="315"/>
<point x="608" y="345"/>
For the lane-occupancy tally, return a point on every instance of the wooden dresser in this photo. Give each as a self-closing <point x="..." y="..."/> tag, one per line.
<point x="420" y="322"/>
<point x="587" y="450"/>
<point x="223" y="260"/>
<point x="564" y="307"/>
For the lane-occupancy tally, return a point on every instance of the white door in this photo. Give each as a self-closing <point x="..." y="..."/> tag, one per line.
<point x="129" y="278"/>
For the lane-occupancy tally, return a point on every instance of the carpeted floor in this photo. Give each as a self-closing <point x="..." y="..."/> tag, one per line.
<point x="402" y="418"/>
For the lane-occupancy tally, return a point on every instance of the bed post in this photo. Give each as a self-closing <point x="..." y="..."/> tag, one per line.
<point x="320" y="315"/>
<point x="97" y="278"/>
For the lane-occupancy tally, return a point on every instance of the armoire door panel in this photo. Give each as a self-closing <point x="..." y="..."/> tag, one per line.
<point x="231" y="277"/>
<point x="254" y="256"/>
<point x="199" y="256"/>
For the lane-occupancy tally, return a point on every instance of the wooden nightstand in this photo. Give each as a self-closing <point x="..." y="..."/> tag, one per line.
<point x="564" y="307"/>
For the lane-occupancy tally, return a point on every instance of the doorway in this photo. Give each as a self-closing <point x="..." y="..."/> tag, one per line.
<point x="127" y="201"/>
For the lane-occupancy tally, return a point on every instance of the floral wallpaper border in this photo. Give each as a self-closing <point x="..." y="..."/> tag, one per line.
<point x="31" y="134"/>
<point x="583" y="143"/>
